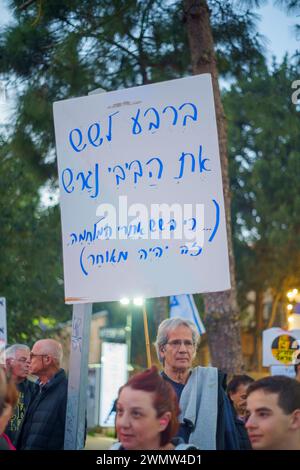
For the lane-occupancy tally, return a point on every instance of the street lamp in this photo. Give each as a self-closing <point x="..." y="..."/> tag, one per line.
<point x="139" y="302"/>
<point x="125" y="302"/>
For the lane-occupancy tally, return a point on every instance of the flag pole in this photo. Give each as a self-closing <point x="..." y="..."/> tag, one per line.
<point x="148" y="351"/>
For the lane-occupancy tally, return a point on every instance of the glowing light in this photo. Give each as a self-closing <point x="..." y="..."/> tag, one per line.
<point x="138" y="301"/>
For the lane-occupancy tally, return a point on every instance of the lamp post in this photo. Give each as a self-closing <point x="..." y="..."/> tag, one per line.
<point x="138" y="302"/>
<point x="128" y="328"/>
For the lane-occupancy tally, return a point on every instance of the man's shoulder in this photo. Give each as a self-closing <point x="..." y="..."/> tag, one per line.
<point x="222" y="376"/>
<point x="204" y="370"/>
<point x="58" y="384"/>
<point x="27" y="386"/>
<point x="60" y="379"/>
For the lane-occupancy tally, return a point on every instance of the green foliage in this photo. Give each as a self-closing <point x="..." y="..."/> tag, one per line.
<point x="65" y="49"/>
<point x="60" y="49"/>
<point x="264" y="143"/>
<point x="30" y="261"/>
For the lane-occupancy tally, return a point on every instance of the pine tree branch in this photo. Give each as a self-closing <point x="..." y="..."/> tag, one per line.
<point x="27" y="4"/>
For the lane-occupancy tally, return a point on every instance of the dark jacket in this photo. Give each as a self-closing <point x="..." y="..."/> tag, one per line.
<point x="226" y="434"/>
<point x="26" y="390"/>
<point x="43" y="427"/>
<point x="244" y="441"/>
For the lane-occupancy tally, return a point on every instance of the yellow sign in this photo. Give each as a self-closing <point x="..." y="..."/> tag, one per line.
<point x="284" y="348"/>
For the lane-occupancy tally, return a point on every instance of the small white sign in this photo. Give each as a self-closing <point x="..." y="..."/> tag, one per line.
<point x="280" y="347"/>
<point x="141" y="192"/>
<point x="289" y="371"/>
<point x="113" y="376"/>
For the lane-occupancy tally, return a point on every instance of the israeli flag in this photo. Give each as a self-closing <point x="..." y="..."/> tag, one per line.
<point x="183" y="306"/>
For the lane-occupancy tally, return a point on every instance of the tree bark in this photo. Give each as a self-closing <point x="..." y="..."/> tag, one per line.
<point x="161" y="310"/>
<point x="222" y="320"/>
<point x="274" y="309"/>
<point x="258" y="329"/>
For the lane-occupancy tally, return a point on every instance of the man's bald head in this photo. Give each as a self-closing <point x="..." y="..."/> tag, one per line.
<point x="49" y="347"/>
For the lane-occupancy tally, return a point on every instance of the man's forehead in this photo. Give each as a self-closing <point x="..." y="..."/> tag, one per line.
<point x="180" y="331"/>
<point x="38" y="346"/>
<point x="262" y="399"/>
<point x="242" y="388"/>
<point x="22" y="353"/>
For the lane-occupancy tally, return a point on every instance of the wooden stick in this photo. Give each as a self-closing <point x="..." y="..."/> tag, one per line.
<point x="148" y="350"/>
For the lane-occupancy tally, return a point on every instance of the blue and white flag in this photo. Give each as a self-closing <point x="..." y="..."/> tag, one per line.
<point x="183" y="306"/>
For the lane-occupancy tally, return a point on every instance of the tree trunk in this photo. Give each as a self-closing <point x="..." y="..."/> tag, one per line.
<point x="258" y="329"/>
<point x="222" y="320"/>
<point x="161" y="310"/>
<point x="274" y="309"/>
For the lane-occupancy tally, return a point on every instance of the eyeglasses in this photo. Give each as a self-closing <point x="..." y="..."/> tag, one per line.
<point x="176" y="343"/>
<point x="35" y="355"/>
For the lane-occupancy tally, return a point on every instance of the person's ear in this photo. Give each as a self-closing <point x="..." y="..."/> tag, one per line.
<point x="295" y="419"/>
<point x="164" y="420"/>
<point x="9" y="362"/>
<point x="162" y="350"/>
<point x="49" y="359"/>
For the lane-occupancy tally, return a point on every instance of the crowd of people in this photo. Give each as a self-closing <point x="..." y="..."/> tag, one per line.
<point x="180" y="407"/>
<point x="36" y="419"/>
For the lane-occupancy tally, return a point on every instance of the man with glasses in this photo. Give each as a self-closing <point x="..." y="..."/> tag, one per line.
<point x="17" y="362"/>
<point x="206" y="418"/>
<point x="43" y="427"/>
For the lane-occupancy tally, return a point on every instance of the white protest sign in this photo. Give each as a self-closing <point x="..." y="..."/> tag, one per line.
<point x="141" y="192"/>
<point x="288" y="371"/>
<point x="280" y="347"/>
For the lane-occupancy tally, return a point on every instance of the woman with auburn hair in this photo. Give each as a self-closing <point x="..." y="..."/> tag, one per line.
<point x="147" y="414"/>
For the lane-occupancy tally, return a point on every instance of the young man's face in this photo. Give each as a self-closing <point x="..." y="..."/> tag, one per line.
<point x="267" y="425"/>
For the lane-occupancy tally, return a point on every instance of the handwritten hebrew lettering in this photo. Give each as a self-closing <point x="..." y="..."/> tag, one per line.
<point x="141" y="193"/>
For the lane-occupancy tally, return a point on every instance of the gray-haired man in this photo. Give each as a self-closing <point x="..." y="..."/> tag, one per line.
<point x="43" y="427"/>
<point x="206" y="418"/>
<point x="17" y="363"/>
